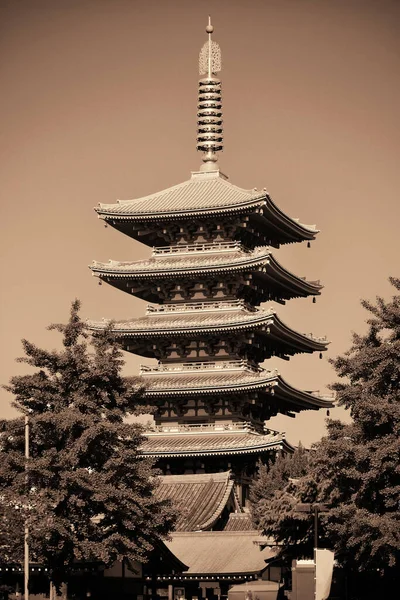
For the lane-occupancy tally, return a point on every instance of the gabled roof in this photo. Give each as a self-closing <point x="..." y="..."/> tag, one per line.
<point x="199" y="498"/>
<point x="207" y="194"/>
<point x="182" y="265"/>
<point x="175" y="445"/>
<point x="221" y="552"/>
<point x="264" y="323"/>
<point x="239" y="522"/>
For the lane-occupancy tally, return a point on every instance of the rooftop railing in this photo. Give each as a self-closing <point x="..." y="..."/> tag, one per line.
<point x="311" y="336"/>
<point x="196" y="306"/>
<point x="225" y="365"/>
<point x="205" y="247"/>
<point x="323" y="395"/>
<point x="245" y="426"/>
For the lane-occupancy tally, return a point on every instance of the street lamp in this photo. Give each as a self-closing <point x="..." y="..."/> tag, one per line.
<point x="26" y="533"/>
<point x="312" y="508"/>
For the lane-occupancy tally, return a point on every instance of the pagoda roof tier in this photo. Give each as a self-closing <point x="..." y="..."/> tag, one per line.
<point x="192" y="443"/>
<point x="204" y="195"/>
<point x="264" y="327"/>
<point x="177" y="265"/>
<point x="232" y="381"/>
<point x="199" y="498"/>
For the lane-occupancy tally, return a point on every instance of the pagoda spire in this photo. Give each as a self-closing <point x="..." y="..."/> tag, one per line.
<point x="209" y="106"/>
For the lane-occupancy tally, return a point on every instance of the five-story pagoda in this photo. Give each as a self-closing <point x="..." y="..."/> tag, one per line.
<point x="210" y="269"/>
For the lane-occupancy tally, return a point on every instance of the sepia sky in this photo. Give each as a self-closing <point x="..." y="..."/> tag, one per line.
<point x="98" y="102"/>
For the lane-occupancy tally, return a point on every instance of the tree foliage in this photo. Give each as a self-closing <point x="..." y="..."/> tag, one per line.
<point x="355" y="469"/>
<point x="274" y="477"/>
<point x="87" y="492"/>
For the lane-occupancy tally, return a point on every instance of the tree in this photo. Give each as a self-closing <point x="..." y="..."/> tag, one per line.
<point x="274" y="477"/>
<point x="273" y="497"/>
<point x="90" y="493"/>
<point x="355" y="469"/>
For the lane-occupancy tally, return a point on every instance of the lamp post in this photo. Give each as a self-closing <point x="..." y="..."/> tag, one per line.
<point x="26" y="545"/>
<point x="315" y="509"/>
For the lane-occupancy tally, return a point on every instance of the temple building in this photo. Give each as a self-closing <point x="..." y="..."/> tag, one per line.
<point x="212" y="284"/>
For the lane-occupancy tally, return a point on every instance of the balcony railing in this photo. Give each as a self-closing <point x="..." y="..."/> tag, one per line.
<point x="245" y="426"/>
<point x="229" y="365"/>
<point x="205" y="247"/>
<point x="195" y="306"/>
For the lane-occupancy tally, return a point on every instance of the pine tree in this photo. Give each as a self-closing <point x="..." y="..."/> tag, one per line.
<point x="355" y="469"/>
<point x="90" y="493"/>
<point x="271" y="501"/>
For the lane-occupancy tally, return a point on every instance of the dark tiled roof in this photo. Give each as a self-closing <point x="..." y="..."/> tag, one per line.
<point x="204" y="444"/>
<point x="218" y="321"/>
<point x="199" y="498"/>
<point x="239" y="522"/>
<point x="220" y="552"/>
<point x="168" y="265"/>
<point x="197" y="261"/>
<point x="174" y="321"/>
<point x="204" y="193"/>
<point x="185" y="384"/>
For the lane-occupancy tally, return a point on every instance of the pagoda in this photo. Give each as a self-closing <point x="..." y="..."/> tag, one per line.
<point x="212" y="284"/>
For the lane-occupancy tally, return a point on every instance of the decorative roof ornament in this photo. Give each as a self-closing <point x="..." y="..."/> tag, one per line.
<point x="210" y="55"/>
<point x="209" y="107"/>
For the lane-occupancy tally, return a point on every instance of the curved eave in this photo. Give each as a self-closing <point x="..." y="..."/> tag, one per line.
<point x="242" y="207"/>
<point x="290" y="227"/>
<point x="282" y="391"/>
<point x="278" y="332"/>
<point x="304" y="398"/>
<point x="208" y="389"/>
<point x="107" y="270"/>
<point x="265" y="264"/>
<point x="266" y="447"/>
<point x="292" y="281"/>
<point x="218" y="512"/>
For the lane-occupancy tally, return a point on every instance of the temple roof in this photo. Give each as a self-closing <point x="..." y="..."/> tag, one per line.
<point x="178" y="264"/>
<point x="199" y="498"/>
<point x="207" y="194"/>
<point x="220" y="552"/>
<point x="202" y="322"/>
<point x="230" y="381"/>
<point x="239" y="522"/>
<point x="185" y="444"/>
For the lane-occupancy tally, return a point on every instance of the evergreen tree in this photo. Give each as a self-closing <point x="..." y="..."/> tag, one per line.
<point x="355" y="469"/>
<point x="87" y="493"/>
<point x="274" y="477"/>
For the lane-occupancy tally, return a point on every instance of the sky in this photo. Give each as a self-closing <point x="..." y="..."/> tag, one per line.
<point x="98" y="102"/>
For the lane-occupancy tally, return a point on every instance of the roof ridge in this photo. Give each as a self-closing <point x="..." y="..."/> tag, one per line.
<point x="195" y="478"/>
<point x="218" y="511"/>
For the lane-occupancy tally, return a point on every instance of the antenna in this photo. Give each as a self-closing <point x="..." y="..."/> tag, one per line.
<point x="209" y="106"/>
